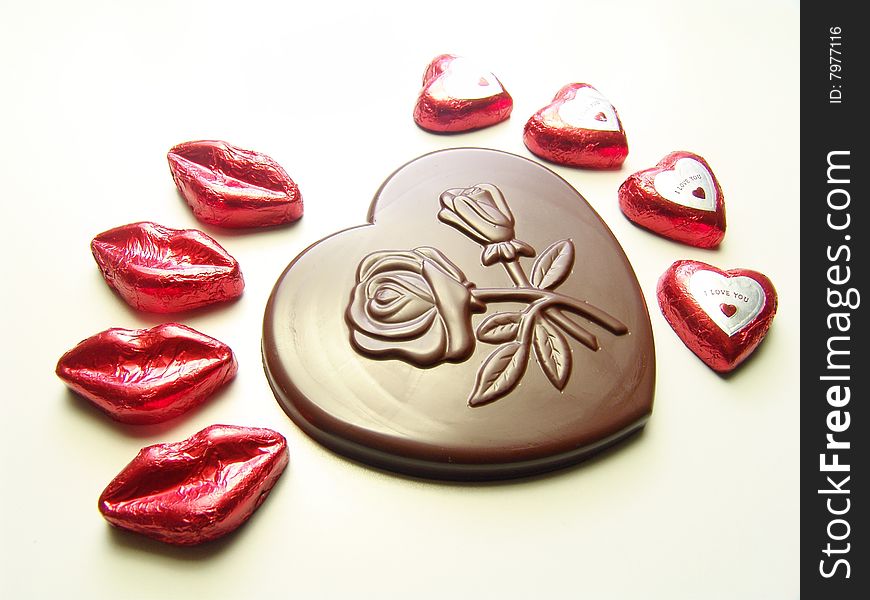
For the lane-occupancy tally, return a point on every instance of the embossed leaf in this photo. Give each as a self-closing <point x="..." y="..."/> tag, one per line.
<point x="500" y="327"/>
<point x="553" y="265"/>
<point x="553" y="353"/>
<point x="500" y="373"/>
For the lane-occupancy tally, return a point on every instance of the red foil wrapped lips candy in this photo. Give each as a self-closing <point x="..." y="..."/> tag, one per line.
<point x="458" y="96"/>
<point x="680" y="198"/>
<point x="164" y="270"/>
<point x="144" y="376"/>
<point x="198" y="489"/>
<point x="579" y="128"/>
<point x="231" y="187"/>
<point x="721" y="316"/>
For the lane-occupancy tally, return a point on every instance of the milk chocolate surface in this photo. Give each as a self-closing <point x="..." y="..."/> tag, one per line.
<point x="485" y="324"/>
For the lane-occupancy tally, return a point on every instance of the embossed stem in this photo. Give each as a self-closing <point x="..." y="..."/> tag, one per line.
<point x="528" y="322"/>
<point x="518" y="276"/>
<point x="575" y="330"/>
<point x="578" y="332"/>
<point x="542" y="305"/>
<point x="529" y="295"/>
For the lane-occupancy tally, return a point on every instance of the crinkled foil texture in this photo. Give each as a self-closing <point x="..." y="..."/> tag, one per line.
<point x="721" y="352"/>
<point x="574" y="146"/>
<point x="641" y="203"/>
<point x="158" y="269"/>
<point x="199" y="489"/>
<point x="146" y="376"/>
<point x="453" y="115"/>
<point x="231" y="187"/>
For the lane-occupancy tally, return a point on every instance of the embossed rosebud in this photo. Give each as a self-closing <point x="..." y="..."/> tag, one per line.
<point x="413" y="305"/>
<point x="481" y="213"/>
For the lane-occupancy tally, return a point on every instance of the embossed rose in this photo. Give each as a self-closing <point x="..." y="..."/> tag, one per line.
<point x="481" y="213"/>
<point x="412" y="305"/>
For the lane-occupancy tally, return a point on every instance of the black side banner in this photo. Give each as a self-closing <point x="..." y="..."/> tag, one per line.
<point x="835" y="562"/>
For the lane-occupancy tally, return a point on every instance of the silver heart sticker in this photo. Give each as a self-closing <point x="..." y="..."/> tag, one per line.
<point x="688" y="184"/>
<point x="589" y="110"/>
<point x="465" y="80"/>
<point x="731" y="302"/>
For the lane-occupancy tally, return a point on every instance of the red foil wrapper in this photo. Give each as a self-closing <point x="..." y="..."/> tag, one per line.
<point x="460" y="96"/>
<point x="680" y="198"/>
<point x="199" y="489"/>
<point x="721" y="316"/>
<point x="162" y="270"/>
<point x="579" y="128"/>
<point x="144" y="376"/>
<point x="231" y="187"/>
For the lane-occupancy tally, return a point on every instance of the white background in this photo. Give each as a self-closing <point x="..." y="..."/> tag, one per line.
<point x="703" y="504"/>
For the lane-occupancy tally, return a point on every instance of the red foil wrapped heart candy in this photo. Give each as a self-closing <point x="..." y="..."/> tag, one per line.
<point x="458" y="96"/>
<point x="144" y="376"/>
<point x="228" y="186"/>
<point x="721" y="316"/>
<point x="680" y="198"/>
<point x="579" y="128"/>
<point x="158" y="269"/>
<point x="199" y="489"/>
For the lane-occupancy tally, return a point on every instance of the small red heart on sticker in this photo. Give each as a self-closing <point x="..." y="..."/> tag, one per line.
<point x="458" y="95"/>
<point x="722" y="334"/>
<point x="579" y="128"/>
<point x="728" y="309"/>
<point x="679" y="198"/>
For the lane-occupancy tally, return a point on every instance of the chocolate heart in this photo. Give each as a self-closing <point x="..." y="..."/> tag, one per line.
<point x="458" y="95"/>
<point x="455" y="336"/>
<point x="721" y="316"/>
<point x="679" y="198"/>
<point x="579" y="128"/>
